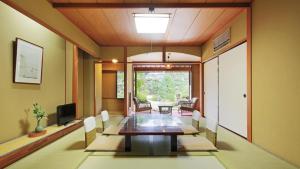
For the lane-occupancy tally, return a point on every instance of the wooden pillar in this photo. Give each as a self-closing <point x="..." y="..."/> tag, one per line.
<point x="125" y="83"/>
<point x="75" y="79"/>
<point x="201" y="66"/>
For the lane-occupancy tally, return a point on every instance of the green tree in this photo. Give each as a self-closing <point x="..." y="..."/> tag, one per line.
<point x="167" y="88"/>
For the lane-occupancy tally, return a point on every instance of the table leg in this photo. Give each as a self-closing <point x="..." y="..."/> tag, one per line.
<point x="127" y="143"/>
<point x="173" y="143"/>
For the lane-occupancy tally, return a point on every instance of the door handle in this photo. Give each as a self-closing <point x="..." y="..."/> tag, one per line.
<point x="244" y="95"/>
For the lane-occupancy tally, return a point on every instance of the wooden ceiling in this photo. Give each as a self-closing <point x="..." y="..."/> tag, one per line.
<point x="116" y="27"/>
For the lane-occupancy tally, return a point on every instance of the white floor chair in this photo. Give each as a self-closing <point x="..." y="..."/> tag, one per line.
<point x="98" y="142"/>
<point x="109" y="129"/>
<point x="194" y="128"/>
<point x="198" y="142"/>
<point x="211" y="130"/>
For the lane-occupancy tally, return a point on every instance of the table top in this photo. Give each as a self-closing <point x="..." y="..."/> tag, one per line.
<point x="152" y="124"/>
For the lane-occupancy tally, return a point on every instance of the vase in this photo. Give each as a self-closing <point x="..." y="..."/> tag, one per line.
<point x="38" y="127"/>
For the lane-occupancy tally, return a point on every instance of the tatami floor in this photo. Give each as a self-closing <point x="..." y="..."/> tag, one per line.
<point x="234" y="153"/>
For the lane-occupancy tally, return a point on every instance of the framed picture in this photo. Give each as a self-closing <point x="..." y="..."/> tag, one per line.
<point x="28" y="62"/>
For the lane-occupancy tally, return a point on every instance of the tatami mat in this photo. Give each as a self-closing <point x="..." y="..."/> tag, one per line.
<point x="183" y="162"/>
<point x="68" y="152"/>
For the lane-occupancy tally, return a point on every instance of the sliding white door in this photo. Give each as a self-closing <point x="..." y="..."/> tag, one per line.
<point x="211" y="89"/>
<point x="233" y="90"/>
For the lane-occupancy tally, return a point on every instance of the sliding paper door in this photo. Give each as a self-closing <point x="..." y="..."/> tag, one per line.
<point x="233" y="90"/>
<point x="211" y="89"/>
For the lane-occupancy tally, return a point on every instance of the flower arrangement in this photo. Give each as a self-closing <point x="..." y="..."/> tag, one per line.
<point x="39" y="115"/>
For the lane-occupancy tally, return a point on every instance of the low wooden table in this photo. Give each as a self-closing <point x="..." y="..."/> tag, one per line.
<point x="165" y="109"/>
<point x="152" y="124"/>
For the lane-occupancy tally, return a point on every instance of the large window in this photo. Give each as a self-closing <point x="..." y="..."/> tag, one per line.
<point x="120" y="84"/>
<point x="162" y="86"/>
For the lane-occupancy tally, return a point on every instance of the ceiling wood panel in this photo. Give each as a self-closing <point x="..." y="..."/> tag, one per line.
<point x="123" y="29"/>
<point x="116" y="27"/>
<point x="183" y="19"/>
<point x="74" y="16"/>
<point x="99" y="23"/>
<point x="205" y="18"/>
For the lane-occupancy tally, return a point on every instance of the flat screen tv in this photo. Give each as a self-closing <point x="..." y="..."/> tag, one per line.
<point x="66" y="113"/>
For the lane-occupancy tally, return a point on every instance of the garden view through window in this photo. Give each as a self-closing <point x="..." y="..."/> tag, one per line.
<point x="120" y="85"/>
<point x="163" y="87"/>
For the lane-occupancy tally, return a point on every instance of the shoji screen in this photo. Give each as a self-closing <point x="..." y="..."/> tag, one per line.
<point x="232" y="90"/>
<point x="211" y="89"/>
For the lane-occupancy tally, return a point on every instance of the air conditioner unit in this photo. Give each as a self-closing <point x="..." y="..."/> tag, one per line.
<point x="222" y="40"/>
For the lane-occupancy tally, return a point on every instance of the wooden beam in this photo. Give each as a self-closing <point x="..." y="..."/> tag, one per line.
<point x="149" y="62"/>
<point x="147" y="5"/>
<point x="161" y="69"/>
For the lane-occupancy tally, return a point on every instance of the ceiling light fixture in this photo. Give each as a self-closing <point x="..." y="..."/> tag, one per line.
<point x="168" y="66"/>
<point x="114" y="60"/>
<point x="151" y="23"/>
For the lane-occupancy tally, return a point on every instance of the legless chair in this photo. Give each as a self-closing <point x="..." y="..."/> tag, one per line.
<point x="194" y="129"/>
<point x="195" y="119"/>
<point x="90" y="130"/>
<point x="100" y="142"/>
<point x="105" y="119"/>
<point x="192" y="142"/>
<point x="107" y="128"/>
<point x="211" y="130"/>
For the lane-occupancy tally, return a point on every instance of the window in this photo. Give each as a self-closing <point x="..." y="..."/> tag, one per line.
<point x="120" y="85"/>
<point x="162" y="86"/>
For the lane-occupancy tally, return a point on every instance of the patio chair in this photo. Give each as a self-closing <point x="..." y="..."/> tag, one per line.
<point x="189" y="106"/>
<point x="141" y="106"/>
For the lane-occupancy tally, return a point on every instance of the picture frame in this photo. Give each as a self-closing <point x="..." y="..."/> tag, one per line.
<point x="28" y="62"/>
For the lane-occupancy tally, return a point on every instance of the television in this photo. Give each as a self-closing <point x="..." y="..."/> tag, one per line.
<point x="66" y="113"/>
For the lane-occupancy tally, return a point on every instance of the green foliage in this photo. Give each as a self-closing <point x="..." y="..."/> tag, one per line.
<point x="38" y="112"/>
<point x="120" y="84"/>
<point x="164" y="86"/>
<point x="141" y="87"/>
<point x="167" y="88"/>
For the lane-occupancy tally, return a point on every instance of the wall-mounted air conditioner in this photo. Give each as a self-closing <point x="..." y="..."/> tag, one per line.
<point x="221" y="40"/>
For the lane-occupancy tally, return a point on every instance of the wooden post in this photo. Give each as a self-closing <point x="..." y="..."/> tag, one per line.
<point x="75" y="79"/>
<point x="201" y="66"/>
<point x="125" y="83"/>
